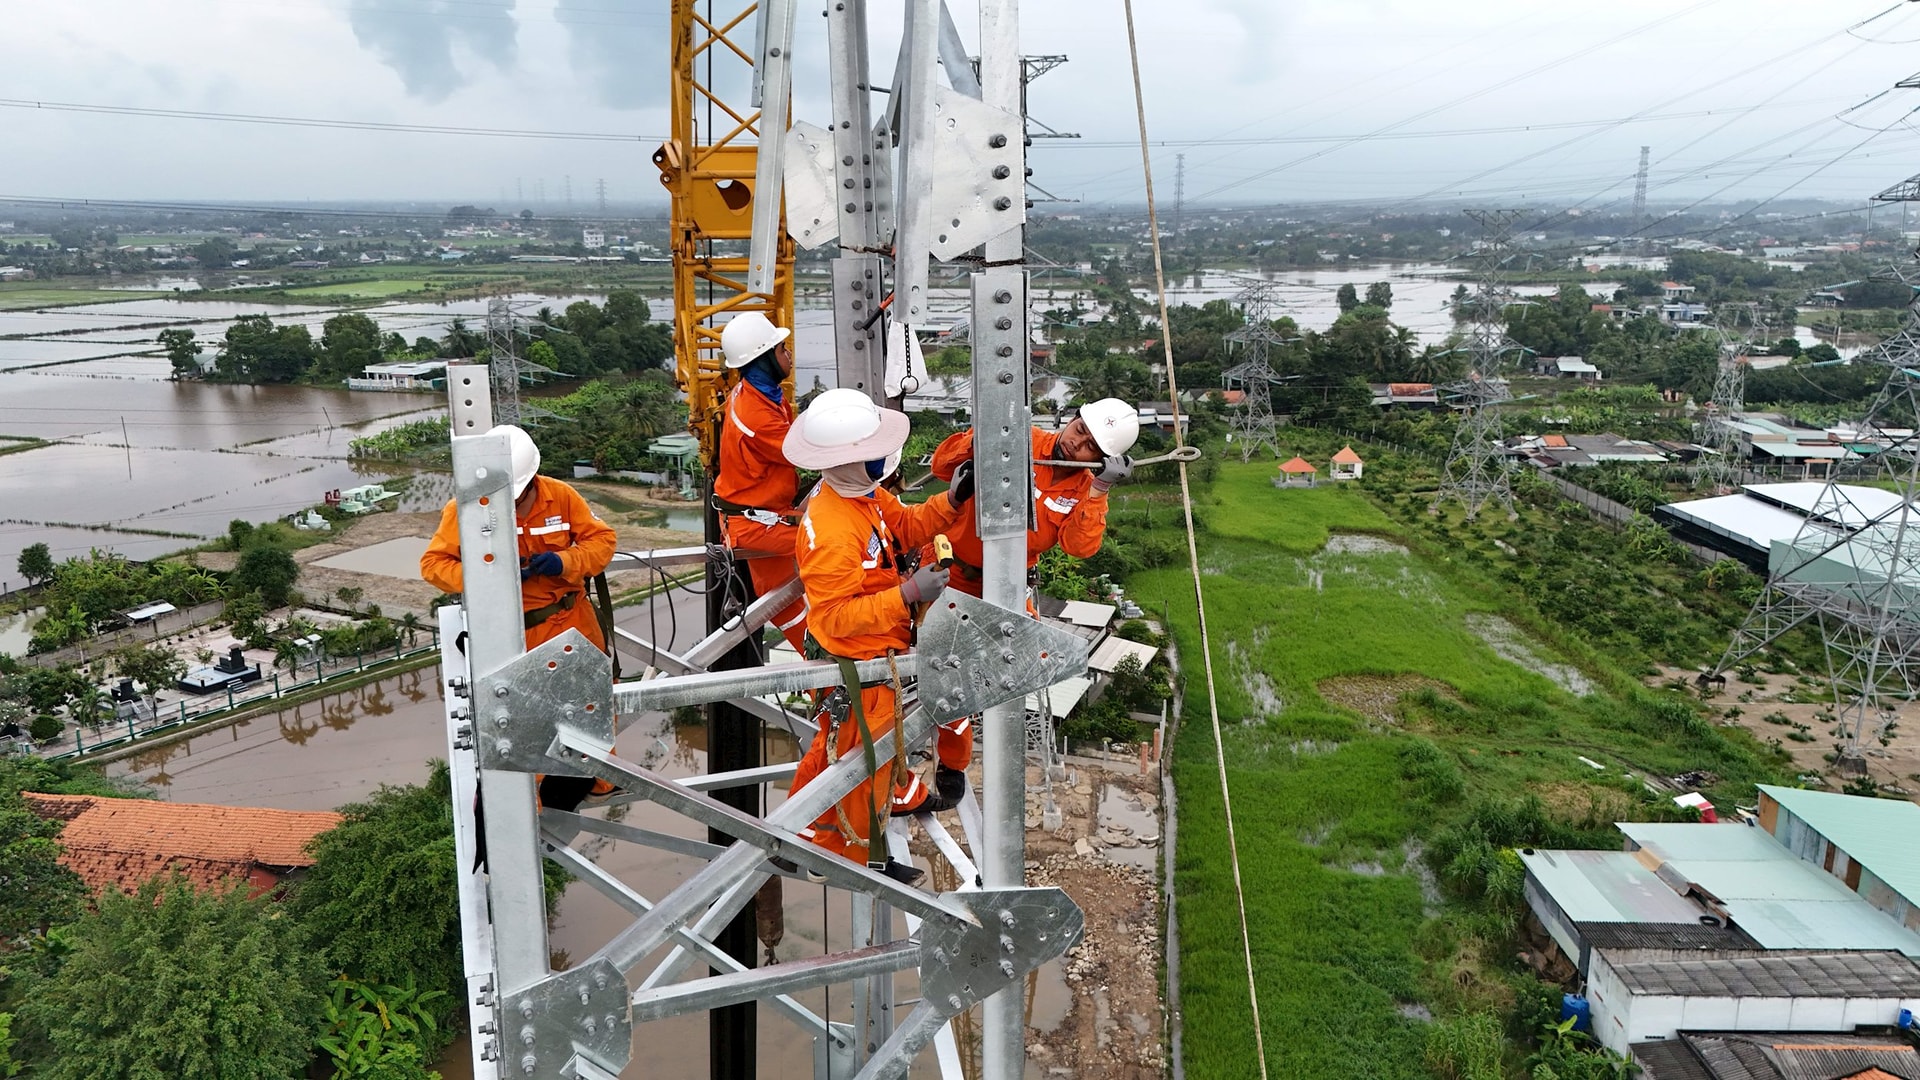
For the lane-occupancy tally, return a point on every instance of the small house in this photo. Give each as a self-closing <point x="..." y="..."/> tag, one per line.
<point x="114" y="843"/>
<point x="1346" y="465"/>
<point x="1297" y="470"/>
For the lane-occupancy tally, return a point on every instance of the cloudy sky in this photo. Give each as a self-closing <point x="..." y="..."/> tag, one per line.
<point x="1269" y="100"/>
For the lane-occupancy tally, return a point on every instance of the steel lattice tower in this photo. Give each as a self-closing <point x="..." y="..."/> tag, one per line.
<point x="1640" y="190"/>
<point x="1853" y="569"/>
<point x="508" y="370"/>
<point x="1477" y="470"/>
<point x="1739" y="328"/>
<point x="1255" y="424"/>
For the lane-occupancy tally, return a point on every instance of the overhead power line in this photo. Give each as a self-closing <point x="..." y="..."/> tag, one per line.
<point x="317" y="122"/>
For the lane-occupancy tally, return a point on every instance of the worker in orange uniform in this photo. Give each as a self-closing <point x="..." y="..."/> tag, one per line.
<point x="1069" y="512"/>
<point x="860" y="603"/>
<point x="756" y="485"/>
<point x="562" y="544"/>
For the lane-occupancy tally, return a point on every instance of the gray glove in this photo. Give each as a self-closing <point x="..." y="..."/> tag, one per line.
<point x="1112" y="471"/>
<point x="925" y="584"/>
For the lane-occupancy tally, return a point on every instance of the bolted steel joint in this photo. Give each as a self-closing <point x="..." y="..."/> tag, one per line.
<point x="1003" y="203"/>
<point x="996" y="141"/>
<point x="1003" y="323"/>
<point x="1001" y="172"/>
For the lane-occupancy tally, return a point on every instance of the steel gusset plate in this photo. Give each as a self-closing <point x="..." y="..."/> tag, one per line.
<point x="974" y="654"/>
<point x="523" y="705"/>
<point x="548" y="1028"/>
<point x="1020" y="929"/>
<point x="979" y="177"/>
<point x="813" y="213"/>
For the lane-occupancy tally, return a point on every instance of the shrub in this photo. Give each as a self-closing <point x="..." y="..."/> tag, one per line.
<point x="1465" y="1048"/>
<point x="1431" y="772"/>
<point x="45" y="727"/>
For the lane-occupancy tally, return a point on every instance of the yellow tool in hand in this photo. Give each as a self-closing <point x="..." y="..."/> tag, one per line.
<point x="942" y="550"/>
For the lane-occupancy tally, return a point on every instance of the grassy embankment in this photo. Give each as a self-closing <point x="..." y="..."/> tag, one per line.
<point x="1334" y="808"/>
<point x="22" y="295"/>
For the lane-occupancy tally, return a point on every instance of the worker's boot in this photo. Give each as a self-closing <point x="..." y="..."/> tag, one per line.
<point x="951" y="784"/>
<point x="905" y="873"/>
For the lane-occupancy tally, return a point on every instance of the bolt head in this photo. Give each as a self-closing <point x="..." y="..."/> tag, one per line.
<point x="1003" y="323"/>
<point x="505" y="746"/>
<point x="592" y="1025"/>
<point x="1003" y="297"/>
<point x="1001" y="172"/>
<point x="1004" y="350"/>
<point x="1003" y="203"/>
<point x="996" y="141"/>
<point x="1006" y="968"/>
<point x="528" y="1064"/>
<point x="526" y="1034"/>
<point x="1006" y="377"/>
<point x="501" y="691"/>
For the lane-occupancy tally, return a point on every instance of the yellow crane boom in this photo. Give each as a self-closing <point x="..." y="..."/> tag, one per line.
<point x="710" y="176"/>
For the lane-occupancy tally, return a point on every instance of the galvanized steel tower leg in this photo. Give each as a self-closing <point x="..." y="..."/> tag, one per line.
<point x="1003" y="452"/>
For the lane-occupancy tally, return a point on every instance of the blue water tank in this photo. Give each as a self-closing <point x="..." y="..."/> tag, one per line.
<point x="1906" y="1020"/>
<point x="1575" y="1006"/>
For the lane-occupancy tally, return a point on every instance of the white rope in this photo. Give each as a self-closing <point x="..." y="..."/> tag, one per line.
<point x="1193" y="550"/>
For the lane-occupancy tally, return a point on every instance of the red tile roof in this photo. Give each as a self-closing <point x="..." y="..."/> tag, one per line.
<point x="1557" y="442"/>
<point x="1297" y="465"/>
<point x="1408" y="389"/>
<point x="125" y="842"/>
<point x="1346" y="456"/>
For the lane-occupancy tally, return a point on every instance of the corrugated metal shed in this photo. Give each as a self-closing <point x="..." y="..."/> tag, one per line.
<point x="1756" y="524"/>
<point x="1685" y="935"/>
<point x="1882" y="835"/>
<point x="1776" y="1056"/>
<point x="1780" y="975"/>
<point x="1857" y="506"/>
<point x="1607" y="886"/>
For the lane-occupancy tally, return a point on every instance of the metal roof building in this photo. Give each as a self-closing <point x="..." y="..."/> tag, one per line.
<point x="1640" y="995"/>
<point x="1872" y="846"/>
<point x="1727" y="1055"/>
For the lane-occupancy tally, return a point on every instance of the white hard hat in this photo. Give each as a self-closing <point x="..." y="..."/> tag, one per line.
<point x="1113" y="423"/>
<point x="526" y="456"/>
<point x="747" y="335"/>
<point x="842" y="427"/>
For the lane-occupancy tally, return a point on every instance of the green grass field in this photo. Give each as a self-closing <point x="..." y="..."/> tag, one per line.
<point x="1334" y="806"/>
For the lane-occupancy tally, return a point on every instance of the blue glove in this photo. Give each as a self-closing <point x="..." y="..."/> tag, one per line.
<point x="545" y="564"/>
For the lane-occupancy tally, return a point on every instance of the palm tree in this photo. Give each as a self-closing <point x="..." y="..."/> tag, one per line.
<point x="410" y="623"/>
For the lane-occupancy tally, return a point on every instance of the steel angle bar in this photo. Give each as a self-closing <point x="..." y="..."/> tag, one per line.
<point x="953" y="56"/>
<point x="714" y="814"/>
<point x="674" y="691"/>
<point x="773" y="73"/>
<point x="950" y="850"/>
<point x="496" y="638"/>
<point x="918" y="167"/>
<point x="765" y="774"/>
<point x="716" y="991"/>
<point x="709" y="649"/>
<point x="476" y="930"/>
<point x="722" y="912"/>
<point x="563" y="826"/>
<point x="739" y="869"/>
<point x="859" y="353"/>
<point x="854" y="146"/>
<point x="659" y="558"/>
<point x="617" y="891"/>
<point x="469" y="399"/>
<point x="668" y="661"/>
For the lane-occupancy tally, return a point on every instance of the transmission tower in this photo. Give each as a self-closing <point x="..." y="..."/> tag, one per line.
<point x="600" y="186"/>
<point x="508" y="368"/>
<point x="1255" y="375"/>
<point x="1853" y="569"/>
<point x="1739" y="327"/>
<point x="1179" y="189"/>
<point x="1640" y="191"/>
<point x="1477" y="470"/>
<point x="1031" y="68"/>
<point x="566" y="186"/>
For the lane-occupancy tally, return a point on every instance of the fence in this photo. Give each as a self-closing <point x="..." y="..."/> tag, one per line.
<point x="101" y="644"/>
<point x="92" y="738"/>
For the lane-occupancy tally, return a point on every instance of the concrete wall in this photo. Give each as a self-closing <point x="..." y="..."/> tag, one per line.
<point x="1559" y="927"/>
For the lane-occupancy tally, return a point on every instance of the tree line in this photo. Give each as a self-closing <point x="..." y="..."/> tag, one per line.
<point x="586" y="339"/>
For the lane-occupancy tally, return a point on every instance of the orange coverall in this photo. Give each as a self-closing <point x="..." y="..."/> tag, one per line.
<point x="1067" y="513"/>
<point x="754" y="472"/>
<point x="847" y="556"/>
<point x="558" y="520"/>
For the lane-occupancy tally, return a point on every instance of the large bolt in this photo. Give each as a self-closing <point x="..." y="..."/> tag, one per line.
<point x="1006" y="919"/>
<point x="1006" y="630"/>
<point x="1006" y="377"/>
<point x="591" y="1025"/>
<point x="1006" y="943"/>
<point x="853" y="208"/>
<point x="504" y="746"/>
<point x="939" y="955"/>
<point x="1003" y="203"/>
<point x="600" y="979"/>
<point x="501" y="691"/>
<point x="996" y="141"/>
<point x="526" y="1008"/>
<point x="1004" y="350"/>
<point x="940" y="703"/>
<point x="954" y="1002"/>
<point x="847" y="160"/>
<point x="526" y="1035"/>
<point x="584" y="997"/>
<point x="528" y="1064"/>
<point x="847" y="183"/>
<point x="1001" y="172"/>
<point x="1003" y="297"/>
